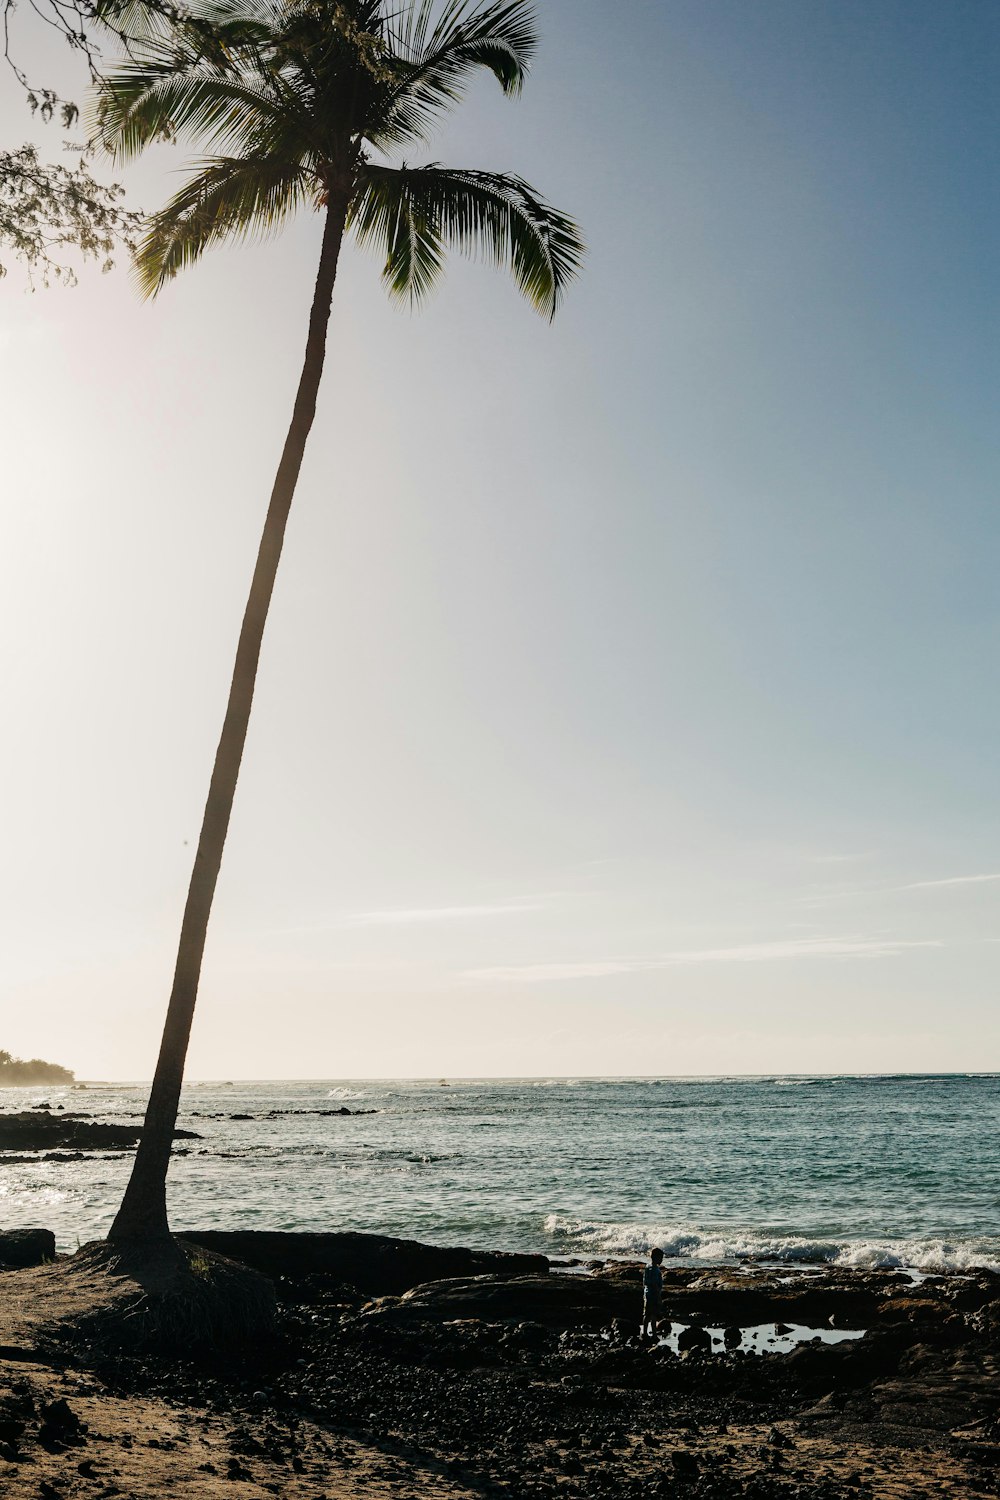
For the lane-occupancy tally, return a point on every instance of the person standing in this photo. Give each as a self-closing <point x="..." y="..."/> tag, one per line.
<point x="652" y="1293"/>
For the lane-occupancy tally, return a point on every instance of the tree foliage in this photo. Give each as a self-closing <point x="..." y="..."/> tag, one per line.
<point x="16" y="1071"/>
<point x="48" y="208"/>
<point x="300" y="101"/>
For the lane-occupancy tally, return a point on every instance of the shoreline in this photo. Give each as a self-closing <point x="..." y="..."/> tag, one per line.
<point x="457" y="1372"/>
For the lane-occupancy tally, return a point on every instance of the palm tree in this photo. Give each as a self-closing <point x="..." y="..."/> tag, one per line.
<point x="309" y="101"/>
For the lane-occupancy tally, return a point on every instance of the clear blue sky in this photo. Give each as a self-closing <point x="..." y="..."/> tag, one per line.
<point x="629" y="702"/>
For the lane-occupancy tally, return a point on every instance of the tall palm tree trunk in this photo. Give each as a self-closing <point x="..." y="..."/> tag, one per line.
<point x="143" y="1212"/>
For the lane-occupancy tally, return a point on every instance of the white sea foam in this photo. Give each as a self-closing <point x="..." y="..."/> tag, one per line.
<point x="343" y="1093"/>
<point x="715" y="1247"/>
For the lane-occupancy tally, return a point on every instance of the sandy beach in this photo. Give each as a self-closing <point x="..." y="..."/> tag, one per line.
<point x="523" y="1379"/>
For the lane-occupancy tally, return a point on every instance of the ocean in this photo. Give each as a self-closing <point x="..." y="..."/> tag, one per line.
<point x="866" y="1171"/>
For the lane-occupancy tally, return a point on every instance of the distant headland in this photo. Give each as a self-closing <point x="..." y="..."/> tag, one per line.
<point x="16" y="1071"/>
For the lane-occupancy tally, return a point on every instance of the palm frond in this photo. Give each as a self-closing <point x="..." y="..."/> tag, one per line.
<point x="384" y="214"/>
<point x="209" y="31"/>
<point x="155" y="98"/>
<point x="414" y="213"/>
<point x="229" y="197"/>
<point x="434" y="64"/>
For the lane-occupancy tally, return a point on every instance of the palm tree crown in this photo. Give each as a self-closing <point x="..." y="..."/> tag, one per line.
<point x="306" y="101"/>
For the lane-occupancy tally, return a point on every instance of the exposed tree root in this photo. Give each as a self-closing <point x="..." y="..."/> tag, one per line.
<point x="164" y="1295"/>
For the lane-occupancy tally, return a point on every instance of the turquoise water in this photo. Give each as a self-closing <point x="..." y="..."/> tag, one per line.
<point x="866" y="1171"/>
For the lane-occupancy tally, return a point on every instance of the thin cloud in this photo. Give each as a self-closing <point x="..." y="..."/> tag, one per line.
<point x="926" y="885"/>
<point x="532" y="973"/>
<point x="841" y="859"/>
<point x="824" y="898"/>
<point x="407" y="916"/>
<point x="780" y="951"/>
<point x="411" y="916"/>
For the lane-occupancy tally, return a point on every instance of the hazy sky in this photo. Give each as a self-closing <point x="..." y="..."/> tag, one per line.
<point x="629" y="702"/>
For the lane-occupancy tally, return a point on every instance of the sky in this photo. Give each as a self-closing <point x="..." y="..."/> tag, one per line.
<point x="629" y="701"/>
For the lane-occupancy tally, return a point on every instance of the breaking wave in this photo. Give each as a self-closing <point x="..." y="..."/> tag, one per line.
<point x="733" y="1246"/>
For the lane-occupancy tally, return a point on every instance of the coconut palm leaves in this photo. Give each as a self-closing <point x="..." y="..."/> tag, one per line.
<point x="413" y="214"/>
<point x="307" y="98"/>
<point x="435" y="64"/>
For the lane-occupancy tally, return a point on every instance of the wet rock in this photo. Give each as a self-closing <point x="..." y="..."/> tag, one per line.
<point x="732" y="1337"/>
<point x="29" y="1131"/>
<point x="374" y="1263"/>
<point x="985" y="1323"/>
<point x="273" y="1114"/>
<point x="694" y="1338"/>
<point x="911" y="1310"/>
<point x="555" y="1301"/>
<point x="845" y="1299"/>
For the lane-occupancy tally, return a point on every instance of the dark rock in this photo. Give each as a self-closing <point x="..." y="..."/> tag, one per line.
<point x="274" y="1114"/>
<point x="11" y="1428"/>
<point x="26" y="1247"/>
<point x="985" y="1454"/>
<point x="529" y="1336"/>
<point x="60" y="1416"/>
<point x="848" y="1299"/>
<point x="374" y="1263"/>
<point x="685" y="1464"/>
<point x="29" y="1131"/>
<point x="694" y="1338"/>
<point x="61" y="1427"/>
<point x="555" y="1301"/>
<point x="732" y="1337"/>
<point x="919" y="1310"/>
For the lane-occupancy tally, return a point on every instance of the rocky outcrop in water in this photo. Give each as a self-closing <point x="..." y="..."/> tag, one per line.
<point x="41" y="1130"/>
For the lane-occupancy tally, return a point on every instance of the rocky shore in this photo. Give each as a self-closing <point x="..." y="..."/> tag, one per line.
<point x="409" y="1370"/>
